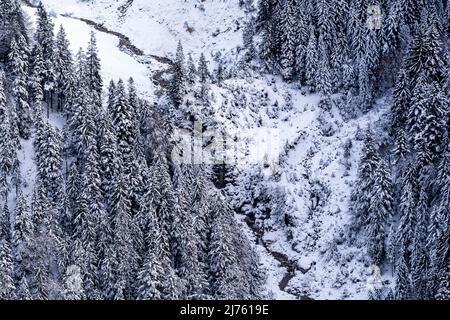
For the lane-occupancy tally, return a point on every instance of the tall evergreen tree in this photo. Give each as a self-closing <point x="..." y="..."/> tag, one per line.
<point x="63" y="66"/>
<point x="23" y="233"/>
<point x="202" y="69"/>
<point x="50" y="164"/>
<point x="18" y="58"/>
<point x="311" y="61"/>
<point x="362" y="194"/>
<point x="380" y="209"/>
<point x="93" y="68"/>
<point x="125" y="123"/>
<point x="7" y="287"/>
<point x="123" y="238"/>
<point x="186" y="242"/>
<point x="5" y="224"/>
<point x="8" y="155"/>
<point x="289" y="27"/>
<point x="45" y="40"/>
<point x="419" y="257"/>
<point x="178" y="82"/>
<point x="36" y="78"/>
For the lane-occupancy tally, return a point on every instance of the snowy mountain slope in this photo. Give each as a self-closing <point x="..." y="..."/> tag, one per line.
<point x="334" y="269"/>
<point x="156" y="26"/>
<point x="313" y="159"/>
<point x="115" y="63"/>
<point x="312" y="259"/>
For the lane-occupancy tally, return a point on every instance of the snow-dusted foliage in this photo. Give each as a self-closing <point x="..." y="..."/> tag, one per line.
<point x="324" y="127"/>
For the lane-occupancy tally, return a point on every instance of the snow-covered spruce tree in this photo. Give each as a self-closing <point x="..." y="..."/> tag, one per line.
<point x="18" y="60"/>
<point x="12" y="22"/>
<point x="88" y="208"/>
<point x="108" y="169"/>
<point x="22" y="237"/>
<point x="164" y="201"/>
<point x="8" y="155"/>
<point x="419" y="256"/>
<point x="7" y="287"/>
<point x="438" y="230"/>
<point x="123" y="238"/>
<point x="357" y="28"/>
<point x="408" y="202"/>
<point x="268" y="49"/>
<point x="125" y="124"/>
<point x="324" y="80"/>
<point x="380" y="209"/>
<point x="63" y="67"/>
<point x="44" y="38"/>
<point x="199" y="205"/>
<point x="266" y="23"/>
<point x="365" y="96"/>
<point x="49" y="251"/>
<point x="330" y="19"/>
<point x="363" y="191"/>
<point x="191" y="70"/>
<point x="94" y="78"/>
<point x="156" y="279"/>
<point x="247" y="39"/>
<point x="50" y="163"/>
<point x="400" y="107"/>
<point x="224" y="270"/>
<point x="203" y="71"/>
<point x="149" y="275"/>
<point x="426" y="56"/>
<point x="179" y="78"/>
<point x="35" y="80"/>
<point x="401" y="144"/>
<point x="426" y="123"/>
<point x="265" y="10"/>
<point x="5" y="222"/>
<point x="402" y="280"/>
<point x="83" y="247"/>
<point x="111" y="98"/>
<point x="391" y="29"/>
<point x="250" y="263"/>
<point x="311" y="60"/>
<point x="133" y="100"/>
<point x="372" y="53"/>
<point x="95" y="202"/>
<point x="82" y="127"/>
<point x="186" y="241"/>
<point x="289" y="28"/>
<point x="303" y="19"/>
<point x="109" y="164"/>
<point x="126" y="127"/>
<point x="81" y="75"/>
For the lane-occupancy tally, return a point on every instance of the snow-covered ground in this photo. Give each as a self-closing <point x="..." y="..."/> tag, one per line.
<point x="115" y="63"/>
<point x="156" y="26"/>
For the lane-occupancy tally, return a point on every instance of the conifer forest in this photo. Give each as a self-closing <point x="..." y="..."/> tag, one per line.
<point x="224" y="149"/>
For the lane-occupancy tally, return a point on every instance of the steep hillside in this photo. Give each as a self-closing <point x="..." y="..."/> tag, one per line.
<point x="302" y="244"/>
<point x="308" y="91"/>
<point x="213" y="27"/>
